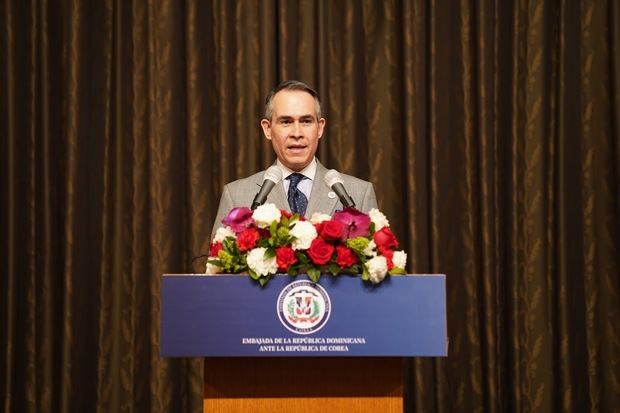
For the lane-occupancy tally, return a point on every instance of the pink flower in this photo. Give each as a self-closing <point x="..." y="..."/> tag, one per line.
<point x="239" y="219"/>
<point x="356" y="223"/>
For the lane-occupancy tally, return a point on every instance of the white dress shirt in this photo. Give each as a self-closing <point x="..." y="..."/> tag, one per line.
<point x="305" y="185"/>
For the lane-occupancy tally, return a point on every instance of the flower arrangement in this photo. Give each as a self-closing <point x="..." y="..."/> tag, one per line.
<point x="268" y="240"/>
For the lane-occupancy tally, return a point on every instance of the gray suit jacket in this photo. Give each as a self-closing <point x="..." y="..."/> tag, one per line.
<point x="240" y="193"/>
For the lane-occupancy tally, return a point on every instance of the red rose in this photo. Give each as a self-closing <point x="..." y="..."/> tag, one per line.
<point x="286" y="213"/>
<point x="285" y="257"/>
<point x="215" y="248"/>
<point x="320" y="252"/>
<point x="247" y="239"/>
<point x="332" y="230"/>
<point x="388" y="254"/>
<point x="345" y="257"/>
<point x="319" y="227"/>
<point x="384" y="238"/>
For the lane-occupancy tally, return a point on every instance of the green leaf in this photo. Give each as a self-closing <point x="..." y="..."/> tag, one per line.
<point x="240" y="268"/>
<point x="270" y="253"/>
<point x="397" y="271"/>
<point x="303" y="258"/>
<point x="333" y="268"/>
<point x="314" y="274"/>
<point x="253" y="274"/>
<point x="273" y="229"/>
<point x="262" y="281"/>
<point x="355" y="269"/>
<point x="365" y="274"/>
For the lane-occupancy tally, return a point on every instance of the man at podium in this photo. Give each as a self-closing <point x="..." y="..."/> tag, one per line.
<point x="297" y="182"/>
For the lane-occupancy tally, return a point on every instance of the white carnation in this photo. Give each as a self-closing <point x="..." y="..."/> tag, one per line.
<point x="371" y="249"/>
<point x="265" y="214"/>
<point x="259" y="264"/>
<point x="212" y="269"/>
<point x="222" y="233"/>
<point x="377" y="218"/>
<point x="400" y="259"/>
<point x="377" y="269"/>
<point x="305" y="233"/>
<point x="319" y="217"/>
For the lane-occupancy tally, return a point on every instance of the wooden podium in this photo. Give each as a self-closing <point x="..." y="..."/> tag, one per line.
<point x="303" y="384"/>
<point x="258" y="361"/>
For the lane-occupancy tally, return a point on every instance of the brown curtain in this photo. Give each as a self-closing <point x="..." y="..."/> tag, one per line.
<point x="490" y="129"/>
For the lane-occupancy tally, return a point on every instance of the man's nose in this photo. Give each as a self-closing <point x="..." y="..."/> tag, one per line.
<point x="296" y="129"/>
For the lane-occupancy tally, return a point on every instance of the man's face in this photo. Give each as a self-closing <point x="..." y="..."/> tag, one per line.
<point x="294" y="130"/>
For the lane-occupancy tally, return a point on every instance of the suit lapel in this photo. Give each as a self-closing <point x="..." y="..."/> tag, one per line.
<point x="276" y="196"/>
<point x="319" y="201"/>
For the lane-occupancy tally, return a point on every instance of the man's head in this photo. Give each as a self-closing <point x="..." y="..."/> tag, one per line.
<point x="293" y="123"/>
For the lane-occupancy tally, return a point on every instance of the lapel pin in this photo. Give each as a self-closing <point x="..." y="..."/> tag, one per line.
<point x="331" y="194"/>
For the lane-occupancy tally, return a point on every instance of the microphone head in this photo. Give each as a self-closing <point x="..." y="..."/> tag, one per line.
<point x="333" y="177"/>
<point x="273" y="173"/>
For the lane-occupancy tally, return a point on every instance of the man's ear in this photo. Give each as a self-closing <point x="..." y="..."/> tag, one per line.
<point x="321" y="127"/>
<point x="266" y="125"/>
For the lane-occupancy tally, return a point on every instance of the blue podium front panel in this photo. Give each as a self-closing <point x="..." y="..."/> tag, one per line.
<point x="232" y="316"/>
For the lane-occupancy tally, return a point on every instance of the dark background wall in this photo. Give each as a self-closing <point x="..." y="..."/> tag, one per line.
<point x="489" y="128"/>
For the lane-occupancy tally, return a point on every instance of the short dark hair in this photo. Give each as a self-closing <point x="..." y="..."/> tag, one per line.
<point x="291" y="85"/>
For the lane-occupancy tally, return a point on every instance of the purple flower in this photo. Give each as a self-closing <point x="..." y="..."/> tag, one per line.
<point x="239" y="219"/>
<point x="356" y="223"/>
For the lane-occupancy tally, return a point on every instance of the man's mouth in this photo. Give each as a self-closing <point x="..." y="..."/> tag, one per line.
<point x="296" y="148"/>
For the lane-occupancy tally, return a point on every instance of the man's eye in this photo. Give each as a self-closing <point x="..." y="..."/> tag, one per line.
<point x="286" y="122"/>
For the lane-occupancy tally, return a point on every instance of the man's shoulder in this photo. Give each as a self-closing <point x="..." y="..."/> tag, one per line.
<point x="351" y="181"/>
<point x="247" y="182"/>
<point x="348" y="179"/>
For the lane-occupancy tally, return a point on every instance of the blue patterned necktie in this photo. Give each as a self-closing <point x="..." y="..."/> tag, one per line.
<point x="296" y="199"/>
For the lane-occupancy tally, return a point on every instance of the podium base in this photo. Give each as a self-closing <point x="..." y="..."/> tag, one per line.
<point x="331" y="384"/>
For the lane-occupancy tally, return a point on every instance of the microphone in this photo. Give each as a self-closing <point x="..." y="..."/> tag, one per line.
<point x="335" y="182"/>
<point x="272" y="176"/>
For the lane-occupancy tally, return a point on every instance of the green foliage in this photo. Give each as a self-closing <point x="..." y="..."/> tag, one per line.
<point x="365" y="274"/>
<point x="253" y="274"/>
<point x="314" y="274"/>
<point x="358" y="244"/>
<point x="334" y="269"/>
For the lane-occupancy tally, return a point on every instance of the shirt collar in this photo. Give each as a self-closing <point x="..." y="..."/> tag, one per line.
<point x="309" y="171"/>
